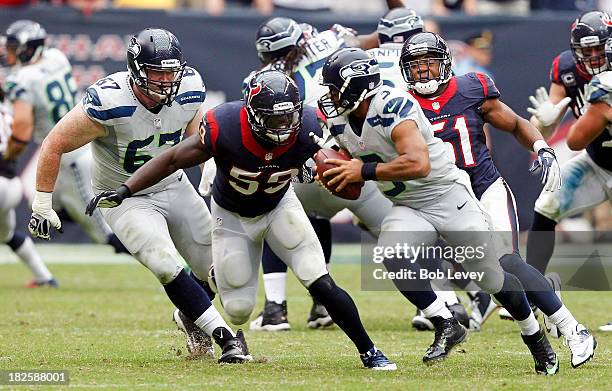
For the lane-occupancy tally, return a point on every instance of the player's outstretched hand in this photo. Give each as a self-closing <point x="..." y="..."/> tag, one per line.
<point x="43" y="217"/>
<point x="544" y="110"/>
<point x="108" y="199"/>
<point x="551" y="172"/>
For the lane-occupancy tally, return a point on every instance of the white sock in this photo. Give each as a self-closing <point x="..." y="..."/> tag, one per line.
<point x="448" y="296"/>
<point x="564" y="320"/>
<point x="529" y="326"/>
<point x="437" y="308"/>
<point x="210" y="320"/>
<point x="28" y="254"/>
<point x="275" y="287"/>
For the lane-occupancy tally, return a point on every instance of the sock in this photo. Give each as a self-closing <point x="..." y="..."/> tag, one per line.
<point x="449" y="297"/>
<point x="322" y="228"/>
<point x="564" y="320"/>
<point x="274" y="285"/>
<point x="529" y="326"/>
<point x="417" y="291"/>
<point x="513" y="298"/>
<point x="210" y="320"/>
<point x="270" y="263"/>
<point x="187" y="296"/>
<point x="204" y="284"/>
<point x="541" y="242"/>
<point x="437" y="308"/>
<point x="538" y="290"/>
<point x="24" y="248"/>
<point x="342" y="310"/>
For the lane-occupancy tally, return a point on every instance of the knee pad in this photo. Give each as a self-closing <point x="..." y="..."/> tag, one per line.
<point x="548" y="205"/>
<point x="238" y="309"/>
<point x="308" y="266"/>
<point x="162" y="262"/>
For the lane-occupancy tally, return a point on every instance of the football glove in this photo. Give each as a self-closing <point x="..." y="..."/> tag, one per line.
<point x="108" y="199"/>
<point x="551" y="172"/>
<point x="43" y="216"/>
<point x="544" y="110"/>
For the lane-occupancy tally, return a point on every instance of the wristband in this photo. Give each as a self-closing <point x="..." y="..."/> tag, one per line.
<point x="539" y="144"/>
<point x="368" y="171"/>
<point x="124" y="192"/>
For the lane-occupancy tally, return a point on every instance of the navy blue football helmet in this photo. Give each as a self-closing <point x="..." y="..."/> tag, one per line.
<point x="351" y="75"/>
<point x="156" y="50"/>
<point x="609" y="52"/>
<point x="27" y="39"/>
<point x="589" y="34"/>
<point x="274" y="107"/>
<point x="421" y="51"/>
<point x="398" y="25"/>
<point x="276" y="38"/>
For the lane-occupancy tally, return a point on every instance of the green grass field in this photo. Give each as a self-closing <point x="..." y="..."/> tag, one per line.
<point x="110" y="326"/>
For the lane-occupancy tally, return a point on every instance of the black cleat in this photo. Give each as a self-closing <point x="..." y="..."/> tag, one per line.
<point x="234" y="349"/>
<point x="198" y="343"/>
<point x="449" y="333"/>
<point x="272" y="318"/>
<point x="319" y="317"/>
<point x="546" y="361"/>
<point x="459" y="313"/>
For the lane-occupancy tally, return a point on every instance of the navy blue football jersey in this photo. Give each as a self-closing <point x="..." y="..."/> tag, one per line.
<point x="565" y="72"/>
<point x="456" y="119"/>
<point x="252" y="179"/>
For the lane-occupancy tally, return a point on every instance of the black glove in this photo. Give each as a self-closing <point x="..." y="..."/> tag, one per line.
<point x="108" y="199"/>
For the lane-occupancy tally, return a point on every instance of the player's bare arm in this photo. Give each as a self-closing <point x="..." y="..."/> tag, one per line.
<point x="504" y="118"/>
<point x="73" y="131"/>
<point x="589" y="126"/>
<point x="412" y="162"/>
<point x="23" y="126"/>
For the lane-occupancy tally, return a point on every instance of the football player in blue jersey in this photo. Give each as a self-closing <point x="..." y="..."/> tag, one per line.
<point x="129" y="117"/>
<point x="583" y="186"/>
<point x="259" y="145"/>
<point x="458" y="107"/>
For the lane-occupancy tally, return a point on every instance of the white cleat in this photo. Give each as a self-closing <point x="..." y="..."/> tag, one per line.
<point x="420" y="322"/>
<point x="481" y="309"/>
<point x="606" y="327"/>
<point x="582" y="345"/>
<point x="555" y="281"/>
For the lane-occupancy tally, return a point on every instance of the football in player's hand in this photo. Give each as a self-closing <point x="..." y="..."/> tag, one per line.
<point x="352" y="191"/>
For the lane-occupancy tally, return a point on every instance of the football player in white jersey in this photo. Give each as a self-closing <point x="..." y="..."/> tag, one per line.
<point x="42" y="90"/>
<point x="128" y="118"/>
<point x="392" y="143"/>
<point x="594" y="129"/>
<point x="11" y="193"/>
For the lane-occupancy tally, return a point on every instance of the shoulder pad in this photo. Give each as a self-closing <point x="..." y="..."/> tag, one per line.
<point x="391" y="106"/>
<point x="600" y="88"/>
<point x="192" y="92"/>
<point x="476" y="85"/>
<point x="109" y="101"/>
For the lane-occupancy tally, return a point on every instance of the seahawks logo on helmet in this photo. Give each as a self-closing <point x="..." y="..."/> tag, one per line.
<point x="359" y="68"/>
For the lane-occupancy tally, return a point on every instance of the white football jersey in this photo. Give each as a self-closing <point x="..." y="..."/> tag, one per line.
<point x="6" y="126"/>
<point x="388" y="56"/>
<point x="388" y="108"/>
<point x="48" y="86"/>
<point x="134" y="135"/>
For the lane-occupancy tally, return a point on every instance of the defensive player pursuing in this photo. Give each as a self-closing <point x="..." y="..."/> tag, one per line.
<point x="593" y="130"/>
<point x="392" y="143"/>
<point x="42" y="90"/>
<point x="130" y="117"/>
<point x="259" y="145"/>
<point x="10" y="196"/>
<point x="458" y="107"/>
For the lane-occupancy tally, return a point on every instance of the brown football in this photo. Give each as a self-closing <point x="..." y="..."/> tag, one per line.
<point x="352" y="191"/>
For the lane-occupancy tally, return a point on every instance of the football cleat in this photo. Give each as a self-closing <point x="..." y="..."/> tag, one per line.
<point x="272" y="318"/>
<point x="376" y="360"/>
<point x="582" y="345"/>
<point x="449" y="333"/>
<point x="544" y="357"/>
<point x="319" y="317"/>
<point x="555" y="281"/>
<point x="606" y="327"/>
<point x="52" y="283"/>
<point x="459" y="313"/>
<point x="234" y="349"/>
<point x="199" y="345"/>
<point x="420" y="322"/>
<point x="482" y="307"/>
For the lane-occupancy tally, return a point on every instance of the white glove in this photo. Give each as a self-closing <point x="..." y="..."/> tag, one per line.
<point x="43" y="216"/>
<point x="207" y="178"/>
<point x="544" y="110"/>
<point x="547" y="162"/>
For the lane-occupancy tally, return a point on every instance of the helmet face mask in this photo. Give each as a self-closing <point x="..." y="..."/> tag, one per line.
<point x="351" y="76"/>
<point x="608" y="50"/>
<point x="425" y="63"/>
<point x="24" y="42"/>
<point x="156" y="64"/>
<point x="274" y="108"/>
<point x="587" y="40"/>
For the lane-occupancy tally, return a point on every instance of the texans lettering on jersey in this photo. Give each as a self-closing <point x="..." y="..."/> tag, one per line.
<point x="600" y="149"/>
<point x="251" y="180"/>
<point x="456" y="119"/>
<point x="573" y="78"/>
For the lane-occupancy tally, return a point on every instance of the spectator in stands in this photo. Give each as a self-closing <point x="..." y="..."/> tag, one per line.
<point x="149" y="4"/>
<point x="502" y="7"/>
<point x="216" y="7"/>
<point x="475" y="55"/>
